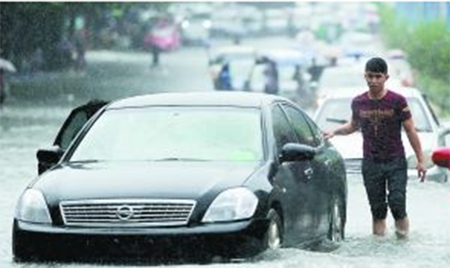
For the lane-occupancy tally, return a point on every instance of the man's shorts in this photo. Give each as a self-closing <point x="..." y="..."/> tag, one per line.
<point x="390" y="175"/>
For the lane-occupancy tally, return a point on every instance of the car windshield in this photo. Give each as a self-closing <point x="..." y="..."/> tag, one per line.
<point x="338" y="111"/>
<point x="174" y="133"/>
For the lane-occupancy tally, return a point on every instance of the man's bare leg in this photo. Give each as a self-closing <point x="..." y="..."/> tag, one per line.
<point x="402" y="228"/>
<point x="379" y="227"/>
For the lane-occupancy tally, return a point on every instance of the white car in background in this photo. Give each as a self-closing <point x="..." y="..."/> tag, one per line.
<point x="349" y="73"/>
<point x="336" y="109"/>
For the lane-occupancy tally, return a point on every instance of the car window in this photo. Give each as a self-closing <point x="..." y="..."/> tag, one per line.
<point x="428" y="106"/>
<point x="420" y="118"/>
<point x="333" y="113"/>
<point x="282" y="130"/>
<point x="318" y="136"/>
<point x="301" y="126"/>
<point x="72" y="127"/>
<point x="163" y="133"/>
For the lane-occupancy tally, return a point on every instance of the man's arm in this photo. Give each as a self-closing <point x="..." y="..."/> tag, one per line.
<point x="344" y="129"/>
<point x="413" y="138"/>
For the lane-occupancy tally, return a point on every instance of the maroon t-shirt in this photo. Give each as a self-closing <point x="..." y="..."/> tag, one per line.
<point x="380" y="122"/>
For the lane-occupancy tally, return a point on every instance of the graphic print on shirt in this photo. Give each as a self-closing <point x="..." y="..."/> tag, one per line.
<point x="376" y="117"/>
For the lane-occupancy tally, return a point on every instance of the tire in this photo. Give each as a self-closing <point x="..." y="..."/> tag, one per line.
<point x="336" y="232"/>
<point x="274" y="234"/>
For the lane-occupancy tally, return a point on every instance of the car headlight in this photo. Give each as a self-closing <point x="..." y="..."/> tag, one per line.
<point x="32" y="207"/>
<point x="230" y="205"/>
<point x="412" y="160"/>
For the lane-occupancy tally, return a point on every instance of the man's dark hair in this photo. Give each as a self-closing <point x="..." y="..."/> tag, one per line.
<point x="376" y="65"/>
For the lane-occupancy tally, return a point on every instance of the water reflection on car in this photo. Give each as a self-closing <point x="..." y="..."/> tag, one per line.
<point x="226" y="174"/>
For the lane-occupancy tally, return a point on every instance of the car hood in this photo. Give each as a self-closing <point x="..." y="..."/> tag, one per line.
<point x="183" y="180"/>
<point x="351" y="146"/>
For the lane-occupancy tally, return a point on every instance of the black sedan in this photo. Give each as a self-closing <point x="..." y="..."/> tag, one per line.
<point x="226" y="174"/>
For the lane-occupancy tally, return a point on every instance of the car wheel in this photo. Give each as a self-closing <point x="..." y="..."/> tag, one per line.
<point x="274" y="234"/>
<point x="337" y="222"/>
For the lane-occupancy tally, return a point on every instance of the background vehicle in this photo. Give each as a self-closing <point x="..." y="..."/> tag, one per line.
<point x="240" y="61"/>
<point x="69" y="130"/>
<point x="196" y="29"/>
<point x="441" y="157"/>
<point x="336" y="110"/>
<point x="293" y="79"/>
<point x="213" y="172"/>
<point x="164" y="34"/>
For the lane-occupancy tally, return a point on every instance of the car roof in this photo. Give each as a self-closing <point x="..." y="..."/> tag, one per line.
<point x="233" y="50"/>
<point x="227" y="53"/>
<point x="350" y="92"/>
<point x="210" y="98"/>
<point x="284" y="56"/>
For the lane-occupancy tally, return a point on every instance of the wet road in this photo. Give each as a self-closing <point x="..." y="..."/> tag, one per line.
<point x="31" y="120"/>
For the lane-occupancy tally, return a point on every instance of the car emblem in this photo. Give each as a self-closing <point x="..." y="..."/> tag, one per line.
<point x="124" y="213"/>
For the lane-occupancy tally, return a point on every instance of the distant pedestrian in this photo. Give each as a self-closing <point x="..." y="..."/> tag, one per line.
<point x="80" y="49"/>
<point x="271" y="78"/>
<point x="224" y="78"/>
<point x="381" y="114"/>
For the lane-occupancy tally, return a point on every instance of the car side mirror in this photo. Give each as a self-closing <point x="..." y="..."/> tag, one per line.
<point x="441" y="157"/>
<point x="47" y="158"/>
<point x="297" y="152"/>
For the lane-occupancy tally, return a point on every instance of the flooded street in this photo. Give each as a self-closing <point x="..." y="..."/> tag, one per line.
<point x="27" y="124"/>
<point x="25" y="129"/>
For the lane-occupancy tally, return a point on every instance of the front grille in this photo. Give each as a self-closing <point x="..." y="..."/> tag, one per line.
<point x="353" y="166"/>
<point x="126" y="213"/>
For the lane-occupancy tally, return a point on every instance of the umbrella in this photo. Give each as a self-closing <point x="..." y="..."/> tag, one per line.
<point x="7" y="66"/>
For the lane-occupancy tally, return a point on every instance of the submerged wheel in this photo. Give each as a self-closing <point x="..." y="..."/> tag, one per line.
<point x="274" y="235"/>
<point x="336" y="232"/>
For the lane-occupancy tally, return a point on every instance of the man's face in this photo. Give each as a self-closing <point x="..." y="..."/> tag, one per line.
<point x="375" y="81"/>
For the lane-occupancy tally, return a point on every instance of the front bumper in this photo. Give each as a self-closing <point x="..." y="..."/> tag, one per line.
<point x="231" y="240"/>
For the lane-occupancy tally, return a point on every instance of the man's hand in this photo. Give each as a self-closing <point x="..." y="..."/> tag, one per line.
<point x="328" y="135"/>
<point x="421" y="171"/>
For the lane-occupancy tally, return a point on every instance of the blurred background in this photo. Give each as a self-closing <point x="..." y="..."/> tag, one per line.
<point x="57" y="36"/>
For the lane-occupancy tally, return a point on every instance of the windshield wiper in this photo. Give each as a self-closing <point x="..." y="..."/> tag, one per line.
<point x="336" y="120"/>
<point x="87" y="161"/>
<point x="179" y="159"/>
<point x="423" y="129"/>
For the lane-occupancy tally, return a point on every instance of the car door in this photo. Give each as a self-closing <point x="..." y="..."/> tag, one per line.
<point x="70" y="128"/>
<point x="319" y="192"/>
<point x="292" y="178"/>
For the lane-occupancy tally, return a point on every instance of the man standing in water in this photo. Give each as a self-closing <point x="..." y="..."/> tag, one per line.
<point x="380" y="114"/>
